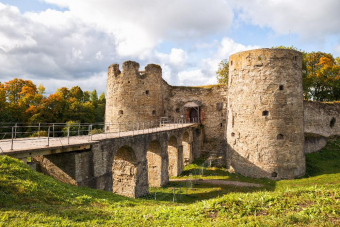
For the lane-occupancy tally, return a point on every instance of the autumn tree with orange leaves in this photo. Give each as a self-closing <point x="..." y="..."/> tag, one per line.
<point x="322" y="76"/>
<point x="22" y="101"/>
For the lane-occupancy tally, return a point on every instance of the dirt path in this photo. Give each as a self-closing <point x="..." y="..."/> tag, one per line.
<point x="224" y="182"/>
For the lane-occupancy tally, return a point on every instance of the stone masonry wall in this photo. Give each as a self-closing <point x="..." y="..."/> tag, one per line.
<point x="265" y="114"/>
<point x="322" y="118"/>
<point x="213" y="110"/>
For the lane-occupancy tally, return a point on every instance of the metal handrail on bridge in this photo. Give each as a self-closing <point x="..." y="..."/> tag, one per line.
<point x="15" y="132"/>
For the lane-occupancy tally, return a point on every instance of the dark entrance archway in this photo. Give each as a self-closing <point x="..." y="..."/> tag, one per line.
<point x="193" y="115"/>
<point x="192" y="111"/>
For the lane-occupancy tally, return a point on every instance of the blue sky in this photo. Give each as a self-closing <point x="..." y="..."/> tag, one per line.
<point x="72" y="42"/>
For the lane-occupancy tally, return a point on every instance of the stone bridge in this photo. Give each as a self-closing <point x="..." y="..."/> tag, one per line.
<point x="127" y="165"/>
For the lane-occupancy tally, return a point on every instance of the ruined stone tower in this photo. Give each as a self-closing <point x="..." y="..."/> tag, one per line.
<point x="133" y="95"/>
<point x="265" y="133"/>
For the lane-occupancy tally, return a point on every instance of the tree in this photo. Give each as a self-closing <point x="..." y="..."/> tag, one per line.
<point x="3" y="103"/>
<point x="94" y="98"/>
<point x="322" y="76"/>
<point x="223" y="72"/>
<point x="100" y="113"/>
<point x="77" y="93"/>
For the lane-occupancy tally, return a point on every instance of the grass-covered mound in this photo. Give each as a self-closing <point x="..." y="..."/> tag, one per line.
<point x="28" y="198"/>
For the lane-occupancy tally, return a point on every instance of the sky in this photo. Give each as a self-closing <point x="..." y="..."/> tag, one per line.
<point x="66" y="43"/>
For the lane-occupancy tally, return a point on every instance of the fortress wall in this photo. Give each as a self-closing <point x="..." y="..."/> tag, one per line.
<point x="322" y="118"/>
<point x="214" y="106"/>
<point x="265" y="114"/>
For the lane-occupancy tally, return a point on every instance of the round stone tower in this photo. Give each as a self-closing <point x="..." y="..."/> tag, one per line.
<point x="133" y="96"/>
<point x="265" y="132"/>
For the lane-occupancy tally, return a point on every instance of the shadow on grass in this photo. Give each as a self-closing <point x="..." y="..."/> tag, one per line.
<point x="191" y="191"/>
<point x="326" y="161"/>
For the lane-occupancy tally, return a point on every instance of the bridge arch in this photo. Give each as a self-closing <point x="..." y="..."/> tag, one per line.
<point x="187" y="149"/>
<point x="175" y="157"/>
<point x="154" y="159"/>
<point x="125" y="172"/>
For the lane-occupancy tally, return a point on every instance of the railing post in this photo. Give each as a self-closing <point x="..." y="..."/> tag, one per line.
<point x="133" y="129"/>
<point x="53" y="129"/>
<point x="12" y="138"/>
<point x="143" y="127"/>
<point x="48" y="136"/>
<point x="78" y="129"/>
<point x="15" y="132"/>
<point x="68" y="134"/>
<point x="39" y="131"/>
<point x="91" y="132"/>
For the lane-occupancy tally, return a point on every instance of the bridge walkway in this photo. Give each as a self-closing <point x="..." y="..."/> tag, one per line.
<point x="34" y="146"/>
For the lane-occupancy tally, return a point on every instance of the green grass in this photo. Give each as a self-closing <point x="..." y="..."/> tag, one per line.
<point x="28" y="198"/>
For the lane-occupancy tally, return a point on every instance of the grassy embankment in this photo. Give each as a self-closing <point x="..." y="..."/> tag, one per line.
<point x="28" y="198"/>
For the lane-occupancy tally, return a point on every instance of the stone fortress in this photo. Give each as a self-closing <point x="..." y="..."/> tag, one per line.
<point x="257" y="123"/>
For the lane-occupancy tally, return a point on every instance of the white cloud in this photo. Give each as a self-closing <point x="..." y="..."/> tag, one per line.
<point x="140" y="25"/>
<point x="205" y="71"/>
<point x="312" y="19"/>
<point x="53" y="45"/>
<point x="99" y="56"/>
<point x="177" y="57"/>
<point x="195" y="77"/>
<point x="228" y="47"/>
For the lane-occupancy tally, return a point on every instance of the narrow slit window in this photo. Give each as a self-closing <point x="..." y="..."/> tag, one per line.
<point x="147" y="92"/>
<point x="332" y="122"/>
<point x="281" y="87"/>
<point x="265" y="113"/>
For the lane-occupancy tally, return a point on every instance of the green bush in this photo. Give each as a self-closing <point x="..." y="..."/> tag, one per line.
<point x="97" y="131"/>
<point x="39" y="134"/>
<point x="73" y="125"/>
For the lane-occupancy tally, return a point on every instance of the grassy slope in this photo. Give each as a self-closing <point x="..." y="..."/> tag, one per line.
<point x="28" y="198"/>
